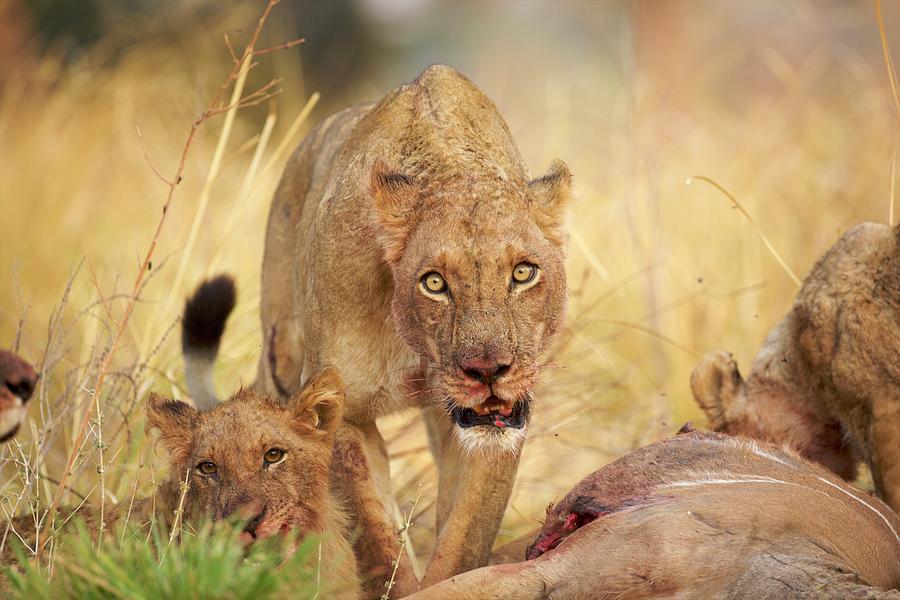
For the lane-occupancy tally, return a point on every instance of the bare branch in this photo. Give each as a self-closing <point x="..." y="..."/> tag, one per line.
<point x="147" y="158"/>
<point x="283" y="46"/>
<point x="234" y="57"/>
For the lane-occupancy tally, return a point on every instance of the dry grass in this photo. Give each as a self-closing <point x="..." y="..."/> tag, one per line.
<point x="795" y="118"/>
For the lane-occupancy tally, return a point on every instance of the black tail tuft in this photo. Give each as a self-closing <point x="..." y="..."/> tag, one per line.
<point x="205" y="313"/>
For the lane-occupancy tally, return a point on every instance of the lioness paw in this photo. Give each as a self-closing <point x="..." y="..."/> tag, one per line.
<point x="716" y="382"/>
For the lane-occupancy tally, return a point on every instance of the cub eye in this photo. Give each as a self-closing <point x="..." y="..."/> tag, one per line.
<point x="523" y="273"/>
<point x="273" y="456"/>
<point x="207" y="468"/>
<point x="434" y="283"/>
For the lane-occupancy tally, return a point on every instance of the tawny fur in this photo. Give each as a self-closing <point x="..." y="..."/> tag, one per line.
<point x="375" y="197"/>
<point x="826" y="381"/>
<point x="702" y="516"/>
<point x="291" y="496"/>
<point x="17" y="382"/>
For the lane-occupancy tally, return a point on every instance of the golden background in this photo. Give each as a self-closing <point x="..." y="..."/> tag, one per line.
<point x="788" y="105"/>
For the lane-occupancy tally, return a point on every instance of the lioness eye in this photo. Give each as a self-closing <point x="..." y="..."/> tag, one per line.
<point x="206" y="467"/>
<point x="273" y="455"/>
<point x="524" y="272"/>
<point x="434" y="283"/>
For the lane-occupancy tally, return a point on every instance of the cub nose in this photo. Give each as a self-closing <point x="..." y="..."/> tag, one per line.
<point x="254" y="523"/>
<point x="485" y="370"/>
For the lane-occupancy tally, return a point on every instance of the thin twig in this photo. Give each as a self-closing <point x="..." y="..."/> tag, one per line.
<point x="283" y="46"/>
<point x="892" y="78"/>
<point x="228" y="45"/>
<point x="647" y="330"/>
<point x="147" y="157"/>
<point x="403" y="539"/>
<point x="179" y="511"/>
<point x="759" y="232"/>
<point x="131" y="502"/>
<point x="893" y="187"/>
<point x="888" y="62"/>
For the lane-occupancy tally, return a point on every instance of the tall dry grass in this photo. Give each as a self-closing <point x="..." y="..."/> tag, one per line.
<point x="788" y="106"/>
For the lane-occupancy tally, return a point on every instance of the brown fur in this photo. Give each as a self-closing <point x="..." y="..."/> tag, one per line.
<point x="428" y="179"/>
<point x="702" y="515"/>
<point x="17" y="382"/>
<point x="827" y="379"/>
<point x="291" y="496"/>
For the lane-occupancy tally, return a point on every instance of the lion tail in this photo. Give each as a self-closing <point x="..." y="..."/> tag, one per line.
<point x="202" y="325"/>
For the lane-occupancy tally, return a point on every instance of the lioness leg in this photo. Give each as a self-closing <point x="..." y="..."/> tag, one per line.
<point x="885" y="463"/>
<point x="473" y="490"/>
<point x="361" y="474"/>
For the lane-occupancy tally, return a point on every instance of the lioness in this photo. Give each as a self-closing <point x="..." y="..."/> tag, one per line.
<point x="258" y="457"/>
<point x="702" y="515"/>
<point x="17" y="381"/>
<point x="827" y="378"/>
<point x="408" y="248"/>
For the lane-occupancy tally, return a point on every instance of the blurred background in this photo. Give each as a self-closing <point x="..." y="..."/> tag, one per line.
<point x="787" y="105"/>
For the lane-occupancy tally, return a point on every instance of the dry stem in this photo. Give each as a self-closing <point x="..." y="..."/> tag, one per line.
<point x="403" y="539"/>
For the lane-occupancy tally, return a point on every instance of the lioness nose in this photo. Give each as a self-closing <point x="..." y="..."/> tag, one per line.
<point x="485" y="370"/>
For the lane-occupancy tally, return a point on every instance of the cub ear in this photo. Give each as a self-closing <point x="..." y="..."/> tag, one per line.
<point x="552" y="195"/>
<point x="396" y="197"/>
<point x="176" y="422"/>
<point x="320" y="403"/>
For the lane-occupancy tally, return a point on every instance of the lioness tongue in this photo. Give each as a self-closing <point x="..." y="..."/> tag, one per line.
<point x="505" y="411"/>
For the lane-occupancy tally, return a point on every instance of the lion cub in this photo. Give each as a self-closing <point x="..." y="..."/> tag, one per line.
<point x="253" y="456"/>
<point x="265" y="459"/>
<point x="826" y="381"/>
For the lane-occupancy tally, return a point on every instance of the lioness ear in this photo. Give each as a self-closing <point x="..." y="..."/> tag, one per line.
<point x="396" y="198"/>
<point x="552" y="195"/>
<point x="176" y="422"/>
<point x="320" y="403"/>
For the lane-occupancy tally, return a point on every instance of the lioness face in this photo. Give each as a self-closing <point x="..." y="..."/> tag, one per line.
<point x="480" y="291"/>
<point x="17" y="381"/>
<point x="265" y="460"/>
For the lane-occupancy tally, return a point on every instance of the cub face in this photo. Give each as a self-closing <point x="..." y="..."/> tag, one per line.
<point x="263" y="459"/>
<point x="479" y="289"/>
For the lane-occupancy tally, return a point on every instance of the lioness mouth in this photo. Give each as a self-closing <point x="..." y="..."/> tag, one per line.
<point x="492" y="412"/>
